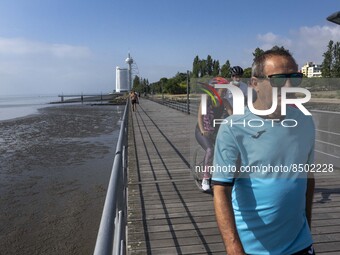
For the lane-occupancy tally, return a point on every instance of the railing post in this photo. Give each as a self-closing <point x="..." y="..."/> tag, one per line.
<point x="118" y="234"/>
<point x="162" y="92"/>
<point x="188" y="102"/>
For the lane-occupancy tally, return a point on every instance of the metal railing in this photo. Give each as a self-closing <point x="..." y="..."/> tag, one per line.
<point x="177" y="105"/>
<point x="186" y="106"/>
<point x="327" y="143"/>
<point x="111" y="235"/>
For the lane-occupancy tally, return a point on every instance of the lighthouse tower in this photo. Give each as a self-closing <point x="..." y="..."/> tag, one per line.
<point x="129" y="61"/>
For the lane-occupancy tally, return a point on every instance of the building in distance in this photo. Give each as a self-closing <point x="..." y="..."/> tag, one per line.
<point x="122" y="79"/>
<point x="310" y="69"/>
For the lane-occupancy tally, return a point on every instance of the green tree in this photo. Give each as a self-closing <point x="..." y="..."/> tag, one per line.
<point x="279" y="48"/>
<point x="257" y="52"/>
<point x="209" y="65"/>
<point x="180" y="77"/>
<point x="203" y="68"/>
<point x="136" y="84"/>
<point x="155" y="87"/>
<point x="247" y="73"/>
<point x="216" y="68"/>
<point x="327" y="60"/>
<point x="163" y="81"/>
<point x="225" y="69"/>
<point x="173" y="87"/>
<point x="336" y="61"/>
<point x="196" y="67"/>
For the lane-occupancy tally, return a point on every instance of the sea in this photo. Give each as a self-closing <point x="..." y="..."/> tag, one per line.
<point x="12" y="107"/>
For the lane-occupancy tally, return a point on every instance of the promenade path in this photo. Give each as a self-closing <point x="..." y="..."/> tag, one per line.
<point x="167" y="214"/>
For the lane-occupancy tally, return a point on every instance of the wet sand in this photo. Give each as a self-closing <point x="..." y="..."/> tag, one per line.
<point x="54" y="172"/>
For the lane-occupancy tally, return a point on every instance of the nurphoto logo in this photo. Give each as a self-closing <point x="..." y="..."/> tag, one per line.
<point x="238" y="102"/>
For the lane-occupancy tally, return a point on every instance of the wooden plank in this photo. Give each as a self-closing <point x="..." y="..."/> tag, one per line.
<point x="182" y="241"/>
<point x="327" y="248"/>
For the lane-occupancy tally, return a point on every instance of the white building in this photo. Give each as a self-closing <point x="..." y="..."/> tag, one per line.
<point x="122" y="79"/>
<point x="310" y="69"/>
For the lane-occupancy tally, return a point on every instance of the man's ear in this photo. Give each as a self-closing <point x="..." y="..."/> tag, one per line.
<point x="253" y="82"/>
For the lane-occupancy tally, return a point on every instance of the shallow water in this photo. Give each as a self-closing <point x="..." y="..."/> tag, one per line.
<point x="18" y="106"/>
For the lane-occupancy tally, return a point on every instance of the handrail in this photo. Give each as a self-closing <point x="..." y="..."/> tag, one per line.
<point x="183" y="106"/>
<point x="111" y="234"/>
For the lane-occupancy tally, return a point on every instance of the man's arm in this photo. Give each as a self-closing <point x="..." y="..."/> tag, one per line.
<point x="309" y="198"/>
<point x="226" y="221"/>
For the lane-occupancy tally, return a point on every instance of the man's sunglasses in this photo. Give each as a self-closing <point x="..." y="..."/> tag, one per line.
<point x="279" y="80"/>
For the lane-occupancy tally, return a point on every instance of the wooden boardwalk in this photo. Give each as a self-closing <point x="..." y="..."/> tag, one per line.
<point x="166" y="212"/>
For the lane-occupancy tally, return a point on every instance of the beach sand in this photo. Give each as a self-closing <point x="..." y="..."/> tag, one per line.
<point x="54" y="171"/>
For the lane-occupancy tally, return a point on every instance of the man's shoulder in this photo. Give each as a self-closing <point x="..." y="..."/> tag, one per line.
<point x="297" y="114"/>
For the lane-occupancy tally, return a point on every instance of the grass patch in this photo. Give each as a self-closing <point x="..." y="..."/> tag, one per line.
<point x="326" y="94"/>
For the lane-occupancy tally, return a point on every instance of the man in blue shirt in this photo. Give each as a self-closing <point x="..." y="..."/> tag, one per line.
<point x="266" y="210"/>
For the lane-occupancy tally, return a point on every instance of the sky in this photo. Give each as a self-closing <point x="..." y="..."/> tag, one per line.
<point x="73" y="46"/>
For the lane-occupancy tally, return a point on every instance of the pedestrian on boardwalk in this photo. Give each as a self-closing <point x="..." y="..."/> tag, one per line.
<point x="134" y="99"/>
<point x="264" y="212"/>
<point x="236" y="80"/>
<point x="205" y="132"/>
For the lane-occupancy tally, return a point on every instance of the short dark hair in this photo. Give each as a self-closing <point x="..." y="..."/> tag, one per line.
<point x="257" y="69"/>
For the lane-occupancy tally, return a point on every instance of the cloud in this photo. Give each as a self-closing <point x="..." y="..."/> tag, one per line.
<point x="22" y="47"/>
<point x="311" y="42"/>
<point x="270" y="39"/>
<point x="306" y="43"/>
<point x="29" y="67"/>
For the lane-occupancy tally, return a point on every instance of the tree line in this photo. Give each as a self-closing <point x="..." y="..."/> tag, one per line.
<point x="209" y="67"/>
<point x="174" y="85"/>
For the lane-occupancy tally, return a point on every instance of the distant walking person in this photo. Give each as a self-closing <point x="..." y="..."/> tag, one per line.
<point x="134" y="99"/>
<point x="205" y="132"/>
<point x="236" y="76"/>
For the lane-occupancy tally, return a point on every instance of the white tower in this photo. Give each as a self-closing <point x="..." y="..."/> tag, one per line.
<point x="129" y="61"/>
<point x="122" y="83"/>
